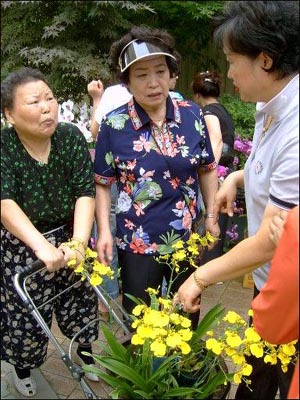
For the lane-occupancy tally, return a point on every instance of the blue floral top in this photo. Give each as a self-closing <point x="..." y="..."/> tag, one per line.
<point x="156" y="173"/>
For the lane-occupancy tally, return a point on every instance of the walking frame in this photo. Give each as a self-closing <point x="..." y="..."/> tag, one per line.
<point x="76" y="371"/>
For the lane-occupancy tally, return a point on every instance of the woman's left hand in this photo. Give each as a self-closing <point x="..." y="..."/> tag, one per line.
<point x="70" y="253"/>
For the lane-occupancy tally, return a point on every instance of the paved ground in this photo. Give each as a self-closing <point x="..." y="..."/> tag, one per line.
<point x="55" y="381"/>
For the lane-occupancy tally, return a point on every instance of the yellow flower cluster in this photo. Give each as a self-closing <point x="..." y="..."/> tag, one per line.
<point x="164" y="330"/>
<point x="92" y="267"/>
<point x="231" y="339"/>
<point x="187" y="251"/>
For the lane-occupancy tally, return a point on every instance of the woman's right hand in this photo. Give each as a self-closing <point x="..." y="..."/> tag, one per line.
<point x="104" y="247"/>
<point x="95" y="89"/>
<point x="52" y="257"/>
<point x="226" y="195"/>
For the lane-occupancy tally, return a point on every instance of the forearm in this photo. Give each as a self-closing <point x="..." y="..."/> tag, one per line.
<point x="16" y="221"/>
<point x="83" y="218"/>
<point x="237" y="177"/>
<point x="94" y="123"/>
<point x="103" y="204"/>
<point x="208" y="181"/>
<point x="246" y="256"/>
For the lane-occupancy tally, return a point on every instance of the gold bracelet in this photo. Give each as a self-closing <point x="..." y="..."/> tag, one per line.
<point x="79" y="241"/>
<point x="200" y="283"/>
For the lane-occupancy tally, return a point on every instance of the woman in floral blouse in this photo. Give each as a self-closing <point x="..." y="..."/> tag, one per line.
<point x="158" y="151"/>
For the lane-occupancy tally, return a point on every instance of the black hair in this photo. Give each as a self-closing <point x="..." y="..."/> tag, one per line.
<point x="13" y="80"/>
<point x="208" y="84"/>
<point x="252" y="27"/>
<point x="156" y="36"/>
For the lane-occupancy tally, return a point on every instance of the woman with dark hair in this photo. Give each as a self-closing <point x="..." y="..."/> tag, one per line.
<point x="47" y="210"/>
<point x="206" y="92"/>
<point x="261" y="42"/>
<point x="158" y="151"/>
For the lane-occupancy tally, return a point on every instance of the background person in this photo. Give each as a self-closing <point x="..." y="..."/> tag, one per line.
<point x="158" y="151"/>
<point x="47" y="197"/>
<point x="105" y="101"/>
<point x="206" y="92"/>
<point x="265" y="71"/>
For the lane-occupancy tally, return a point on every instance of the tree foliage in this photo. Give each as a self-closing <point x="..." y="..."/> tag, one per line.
<point x="70" y="40"/>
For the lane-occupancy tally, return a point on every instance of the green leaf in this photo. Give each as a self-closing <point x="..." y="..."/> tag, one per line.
<point x="210" y="319"/>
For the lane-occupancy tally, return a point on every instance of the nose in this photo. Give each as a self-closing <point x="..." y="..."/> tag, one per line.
<point x="152" y="80"/>
<point x="45" y="106"/>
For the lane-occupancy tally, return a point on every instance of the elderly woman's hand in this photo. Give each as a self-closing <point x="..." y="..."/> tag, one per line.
<point x="214" y="229"/>
<point x="52" y="257"/>
<point x="72" y="251"/>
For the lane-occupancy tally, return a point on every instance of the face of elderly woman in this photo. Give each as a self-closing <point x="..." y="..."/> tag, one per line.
<point x="149" y="82"/>
<point x="35" y="110"/>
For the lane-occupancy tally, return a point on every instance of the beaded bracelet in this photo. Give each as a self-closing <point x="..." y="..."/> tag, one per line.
<point x="200" y="283"/>
<point x="79" y="241"/>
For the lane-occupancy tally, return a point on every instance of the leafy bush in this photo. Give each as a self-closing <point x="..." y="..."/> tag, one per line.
<point x="242" y="114"/>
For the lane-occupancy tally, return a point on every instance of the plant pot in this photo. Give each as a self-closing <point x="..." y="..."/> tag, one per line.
<point x="185" y="379"/>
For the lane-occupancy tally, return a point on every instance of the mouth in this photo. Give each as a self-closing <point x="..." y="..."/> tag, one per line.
<point x="48" y="121"/>
<point x="154" y="95"/>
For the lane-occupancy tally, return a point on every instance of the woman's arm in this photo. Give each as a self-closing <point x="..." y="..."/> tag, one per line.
<point x="208" y="181"/>
<point x="95" y="90"/>
<point x="215" y="135"/>
<point x="105" y="240"/>
<point x="17" y="222"/>
<point x="247" y="255"/>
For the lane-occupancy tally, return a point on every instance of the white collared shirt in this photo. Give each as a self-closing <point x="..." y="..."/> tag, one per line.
<point x="272" y="170"/>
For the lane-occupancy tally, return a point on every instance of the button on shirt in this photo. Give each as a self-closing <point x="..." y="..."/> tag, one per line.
<point x="156" y="172"/>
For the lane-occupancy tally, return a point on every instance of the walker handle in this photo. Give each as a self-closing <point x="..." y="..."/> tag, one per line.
<point x="29" y="269"/>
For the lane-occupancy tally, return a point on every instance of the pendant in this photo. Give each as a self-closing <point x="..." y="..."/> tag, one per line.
<point x="41" y="163"/>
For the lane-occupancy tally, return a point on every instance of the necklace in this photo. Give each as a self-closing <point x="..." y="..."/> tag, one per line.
<point x="268" y="123"/>
<point x="269" y="120"/>
<point x="41" y="159"/>
<point x="158" y="122"/>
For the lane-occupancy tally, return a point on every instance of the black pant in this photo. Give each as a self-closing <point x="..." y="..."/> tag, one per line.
<point x="266" y="378"/>
<point x="138" y="272"/>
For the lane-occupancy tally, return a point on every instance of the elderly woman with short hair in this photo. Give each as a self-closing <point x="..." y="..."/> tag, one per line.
<point x="158" y="151"/>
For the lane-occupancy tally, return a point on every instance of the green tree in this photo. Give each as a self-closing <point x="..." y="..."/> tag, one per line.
<point x="69" y="40"/>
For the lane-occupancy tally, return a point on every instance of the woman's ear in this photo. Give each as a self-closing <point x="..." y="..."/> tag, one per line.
<point x="265" y="61"/>
<point x="8" y="116"/>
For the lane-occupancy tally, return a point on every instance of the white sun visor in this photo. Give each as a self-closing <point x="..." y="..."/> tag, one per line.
<point x="138" y="49"/>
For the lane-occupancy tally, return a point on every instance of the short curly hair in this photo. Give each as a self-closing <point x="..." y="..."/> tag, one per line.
<point x="159" y="37"/>
<point x="252" y="27"/>
<point x="13" y="80"/>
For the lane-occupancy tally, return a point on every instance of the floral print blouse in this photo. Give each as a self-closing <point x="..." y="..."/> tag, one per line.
<point x="47" y="193"/>
<point x="156" y="171"/>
